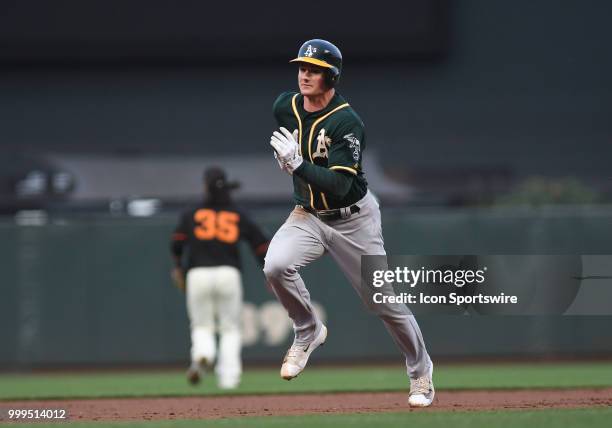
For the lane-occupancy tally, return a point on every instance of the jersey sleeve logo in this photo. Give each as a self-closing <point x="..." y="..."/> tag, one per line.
<point x="323" y="143"/>
<point x="354" y="145"/>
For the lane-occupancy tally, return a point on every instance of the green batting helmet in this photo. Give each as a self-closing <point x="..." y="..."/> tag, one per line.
<point x="324" y="54"/>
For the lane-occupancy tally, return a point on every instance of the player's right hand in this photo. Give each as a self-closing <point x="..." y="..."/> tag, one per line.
<point x="178" y="278"/>
<point x="281" y="165"/>
<point x="286" y="149"/>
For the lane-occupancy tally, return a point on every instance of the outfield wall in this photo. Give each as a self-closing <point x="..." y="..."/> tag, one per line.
<point x="97" y="290"/>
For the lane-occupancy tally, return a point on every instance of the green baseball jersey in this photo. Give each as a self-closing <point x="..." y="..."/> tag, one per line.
<point x="332" y="139"/>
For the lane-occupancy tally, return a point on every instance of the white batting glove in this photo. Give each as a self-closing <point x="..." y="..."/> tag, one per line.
<point x="286" y="147"/>
<point x="280" y="164"/>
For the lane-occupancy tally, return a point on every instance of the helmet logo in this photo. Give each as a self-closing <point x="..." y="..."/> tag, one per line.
<point x="310" y="51"/>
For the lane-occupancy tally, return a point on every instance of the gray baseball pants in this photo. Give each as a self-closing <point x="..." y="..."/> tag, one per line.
<point x="304" y="238"/>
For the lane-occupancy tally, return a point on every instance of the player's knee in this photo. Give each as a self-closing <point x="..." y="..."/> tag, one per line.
<point x="269" y="269"/>
<point x="275" y="270"/>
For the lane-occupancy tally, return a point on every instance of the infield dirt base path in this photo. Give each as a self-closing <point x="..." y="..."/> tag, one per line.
<point x="129" y="409"/>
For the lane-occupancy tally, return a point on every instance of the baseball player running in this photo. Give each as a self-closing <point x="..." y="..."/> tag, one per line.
<point x="320" y="143"/>
<point x="205" y="242"/>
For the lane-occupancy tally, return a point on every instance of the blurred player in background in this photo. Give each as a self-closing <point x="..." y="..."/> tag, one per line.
<point x="207" y="266"/>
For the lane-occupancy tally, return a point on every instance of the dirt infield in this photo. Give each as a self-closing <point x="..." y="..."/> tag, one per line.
<point x="275" y="405"/>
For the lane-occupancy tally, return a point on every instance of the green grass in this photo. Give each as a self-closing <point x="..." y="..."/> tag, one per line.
<point x="314" y="379"/>
<point x="539" y="418"/>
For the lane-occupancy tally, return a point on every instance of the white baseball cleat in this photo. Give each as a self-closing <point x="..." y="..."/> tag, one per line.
<point x="422" y="390"/>
<point x="297" y="356"/>
<point x="228" y="382"/>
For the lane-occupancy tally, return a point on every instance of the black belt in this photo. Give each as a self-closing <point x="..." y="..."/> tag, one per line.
<point x="331" y="215"/>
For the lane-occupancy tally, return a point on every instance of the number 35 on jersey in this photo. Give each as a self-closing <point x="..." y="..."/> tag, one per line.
<point x="220" y="225"/>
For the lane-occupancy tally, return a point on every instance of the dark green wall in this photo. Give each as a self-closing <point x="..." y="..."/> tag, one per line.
<point x="97" y="290"/>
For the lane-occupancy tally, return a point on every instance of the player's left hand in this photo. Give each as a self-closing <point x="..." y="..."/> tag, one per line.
<point x="286" y="147"/>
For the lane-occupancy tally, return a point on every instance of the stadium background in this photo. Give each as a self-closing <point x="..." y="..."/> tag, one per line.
<point x="489" y="132"/>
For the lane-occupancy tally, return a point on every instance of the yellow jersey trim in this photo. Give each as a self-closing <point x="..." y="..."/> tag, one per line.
<point x="311" y="197"/>
<point x="312" y="129"/>
<point x="299" y="121"/>
<point x="312" y="61"/>
<point x="344" y="168"/>
<point x="324" y="199"/>
<point x="316" y="123"/>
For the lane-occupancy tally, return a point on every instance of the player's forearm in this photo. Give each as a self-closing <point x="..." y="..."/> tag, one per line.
<point x="176" y="249"/>
<point x="333" y="182"/>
